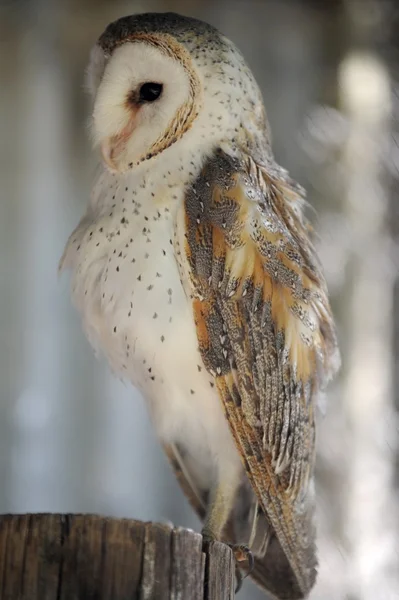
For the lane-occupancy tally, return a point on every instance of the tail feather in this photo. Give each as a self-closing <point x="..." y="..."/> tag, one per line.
<point x="273" y="573"/>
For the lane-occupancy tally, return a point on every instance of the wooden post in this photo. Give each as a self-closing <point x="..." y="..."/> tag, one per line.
<point x="87" y="557"/>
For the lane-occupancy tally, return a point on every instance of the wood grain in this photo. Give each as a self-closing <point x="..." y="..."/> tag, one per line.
<point x="88" y="557"/>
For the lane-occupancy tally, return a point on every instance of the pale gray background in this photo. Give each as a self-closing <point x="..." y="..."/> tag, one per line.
<point x="73" y="438"/>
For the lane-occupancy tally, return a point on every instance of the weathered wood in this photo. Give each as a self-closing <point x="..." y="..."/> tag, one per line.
<point x="87" y="557"/>
<point x="220" y="572"/>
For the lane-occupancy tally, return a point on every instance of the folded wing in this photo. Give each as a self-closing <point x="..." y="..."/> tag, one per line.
<point x="266" y="334"/>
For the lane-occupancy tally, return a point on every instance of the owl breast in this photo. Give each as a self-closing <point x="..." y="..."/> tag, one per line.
<point x="128" y="288"/>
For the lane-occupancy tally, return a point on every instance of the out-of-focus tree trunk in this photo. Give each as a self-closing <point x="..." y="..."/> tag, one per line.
<point x="358" y="512"/>
<point x="371" y="511"/>
<point x="358" y="453"/>
<point x="392" y="153"/>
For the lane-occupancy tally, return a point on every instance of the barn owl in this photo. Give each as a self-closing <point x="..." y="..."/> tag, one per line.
<point x="195" y="276"/>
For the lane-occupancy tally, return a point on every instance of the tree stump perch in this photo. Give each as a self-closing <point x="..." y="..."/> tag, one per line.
<point x="87" y="557"/>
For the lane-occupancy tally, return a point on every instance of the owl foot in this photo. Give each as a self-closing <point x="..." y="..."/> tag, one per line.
<point x="207" y="537"/>
<point x="244" y="563"/>
<point x="242" y="555"/>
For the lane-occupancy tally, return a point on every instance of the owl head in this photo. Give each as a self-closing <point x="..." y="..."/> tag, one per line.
<point x="161" y="81"/>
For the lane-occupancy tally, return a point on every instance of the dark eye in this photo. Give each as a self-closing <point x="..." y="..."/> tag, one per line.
<point x="150" y="92"/>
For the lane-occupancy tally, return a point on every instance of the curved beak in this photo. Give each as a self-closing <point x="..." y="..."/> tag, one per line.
<point x="113" y="147"/>
<point x="107" y="154"/>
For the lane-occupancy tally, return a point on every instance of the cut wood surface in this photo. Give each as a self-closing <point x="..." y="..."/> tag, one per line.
<point x="88" y="557"/>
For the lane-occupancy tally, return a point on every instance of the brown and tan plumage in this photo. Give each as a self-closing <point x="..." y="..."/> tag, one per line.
<point x="265" y="331"/>
<point x="195" y="274"/>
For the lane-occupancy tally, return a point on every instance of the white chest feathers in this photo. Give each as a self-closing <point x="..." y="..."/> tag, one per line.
<point x="127" y="286"/>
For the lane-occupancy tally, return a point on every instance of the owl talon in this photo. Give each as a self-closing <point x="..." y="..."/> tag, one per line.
<point x="243" y="557"/>
<point x="240" y="578"/>
<point x="242" y="554"/>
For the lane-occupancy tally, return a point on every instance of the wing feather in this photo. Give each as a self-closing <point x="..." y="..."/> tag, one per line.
<point x="265" y="332"/>
<point x="180" y="466"/>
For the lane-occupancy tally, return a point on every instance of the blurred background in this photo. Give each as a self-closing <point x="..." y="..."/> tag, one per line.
<point x="75" y="439"/>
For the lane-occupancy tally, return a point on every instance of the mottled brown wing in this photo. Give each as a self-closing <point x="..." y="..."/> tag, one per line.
<point x="265" y="332"/>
